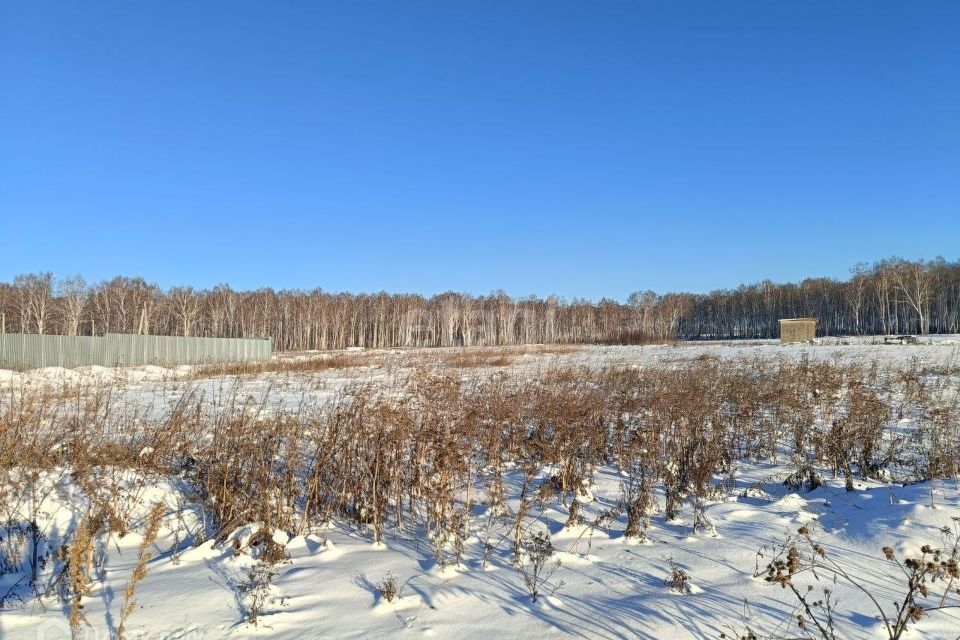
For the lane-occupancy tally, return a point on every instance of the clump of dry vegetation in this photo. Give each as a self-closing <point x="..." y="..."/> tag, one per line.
<point x="678" y="580"/>
<point x="810" y="572"/>
<point x="389" y="587"/>
<point x="299" y="364"/>
<point x="536" y="562"/>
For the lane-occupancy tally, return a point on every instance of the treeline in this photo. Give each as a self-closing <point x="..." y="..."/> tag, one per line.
<point x="891" y="296"/>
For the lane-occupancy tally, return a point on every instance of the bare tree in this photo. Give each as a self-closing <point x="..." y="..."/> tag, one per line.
<point x="36" y="301"/>
<point x="914" y="282"/>
<point x="73" y="295"/>
<point x="186" y="308"/>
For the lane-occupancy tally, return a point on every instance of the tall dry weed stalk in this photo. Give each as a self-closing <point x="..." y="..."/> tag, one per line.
<point x="79" y="564"/>
<point x="139" y="572"/>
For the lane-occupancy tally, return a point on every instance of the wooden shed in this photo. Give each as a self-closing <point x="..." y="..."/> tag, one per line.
<point x="798" y="329"/>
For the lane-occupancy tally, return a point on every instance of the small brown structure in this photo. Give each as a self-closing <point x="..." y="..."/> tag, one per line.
<point x="798" y="329"/>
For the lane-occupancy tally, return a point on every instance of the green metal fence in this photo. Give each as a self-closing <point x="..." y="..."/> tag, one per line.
<point x="118" y="350"/>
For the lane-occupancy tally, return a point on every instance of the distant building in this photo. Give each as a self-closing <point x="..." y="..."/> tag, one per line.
<point x="798" y="329"/>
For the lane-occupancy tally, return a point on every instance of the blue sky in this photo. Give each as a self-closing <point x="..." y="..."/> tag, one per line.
<point x="582" y="148"/>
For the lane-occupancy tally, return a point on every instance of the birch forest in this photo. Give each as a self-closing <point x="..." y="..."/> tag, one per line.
<point x="891" y="296"/>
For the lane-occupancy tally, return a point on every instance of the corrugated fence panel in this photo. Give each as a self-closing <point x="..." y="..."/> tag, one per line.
<point x="33" y="351"/>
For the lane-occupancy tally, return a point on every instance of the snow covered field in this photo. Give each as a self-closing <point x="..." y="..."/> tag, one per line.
<point x="326" y="575"/>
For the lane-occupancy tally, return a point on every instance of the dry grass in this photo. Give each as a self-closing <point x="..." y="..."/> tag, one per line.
<point x="298" y="364"/>
<point x="479" y="358"/>
<point x="483" y="357"/>
<point x="369" y="451"/>
<point x="415" y="452"/>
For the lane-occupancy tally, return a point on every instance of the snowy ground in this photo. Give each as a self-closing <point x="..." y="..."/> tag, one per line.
<point x="157" y="388"/>
<point x="606" y="587"/>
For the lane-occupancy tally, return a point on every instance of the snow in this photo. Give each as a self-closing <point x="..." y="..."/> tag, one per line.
<point x="941" y="351"/>
<point x="611" y="588"/>
<point x="606" y="586"/>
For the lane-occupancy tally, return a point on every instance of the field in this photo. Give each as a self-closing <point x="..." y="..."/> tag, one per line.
<point x="702" y="490"/>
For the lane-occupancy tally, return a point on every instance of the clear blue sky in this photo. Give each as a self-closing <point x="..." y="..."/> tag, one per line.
<point x="582" y="148"/>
